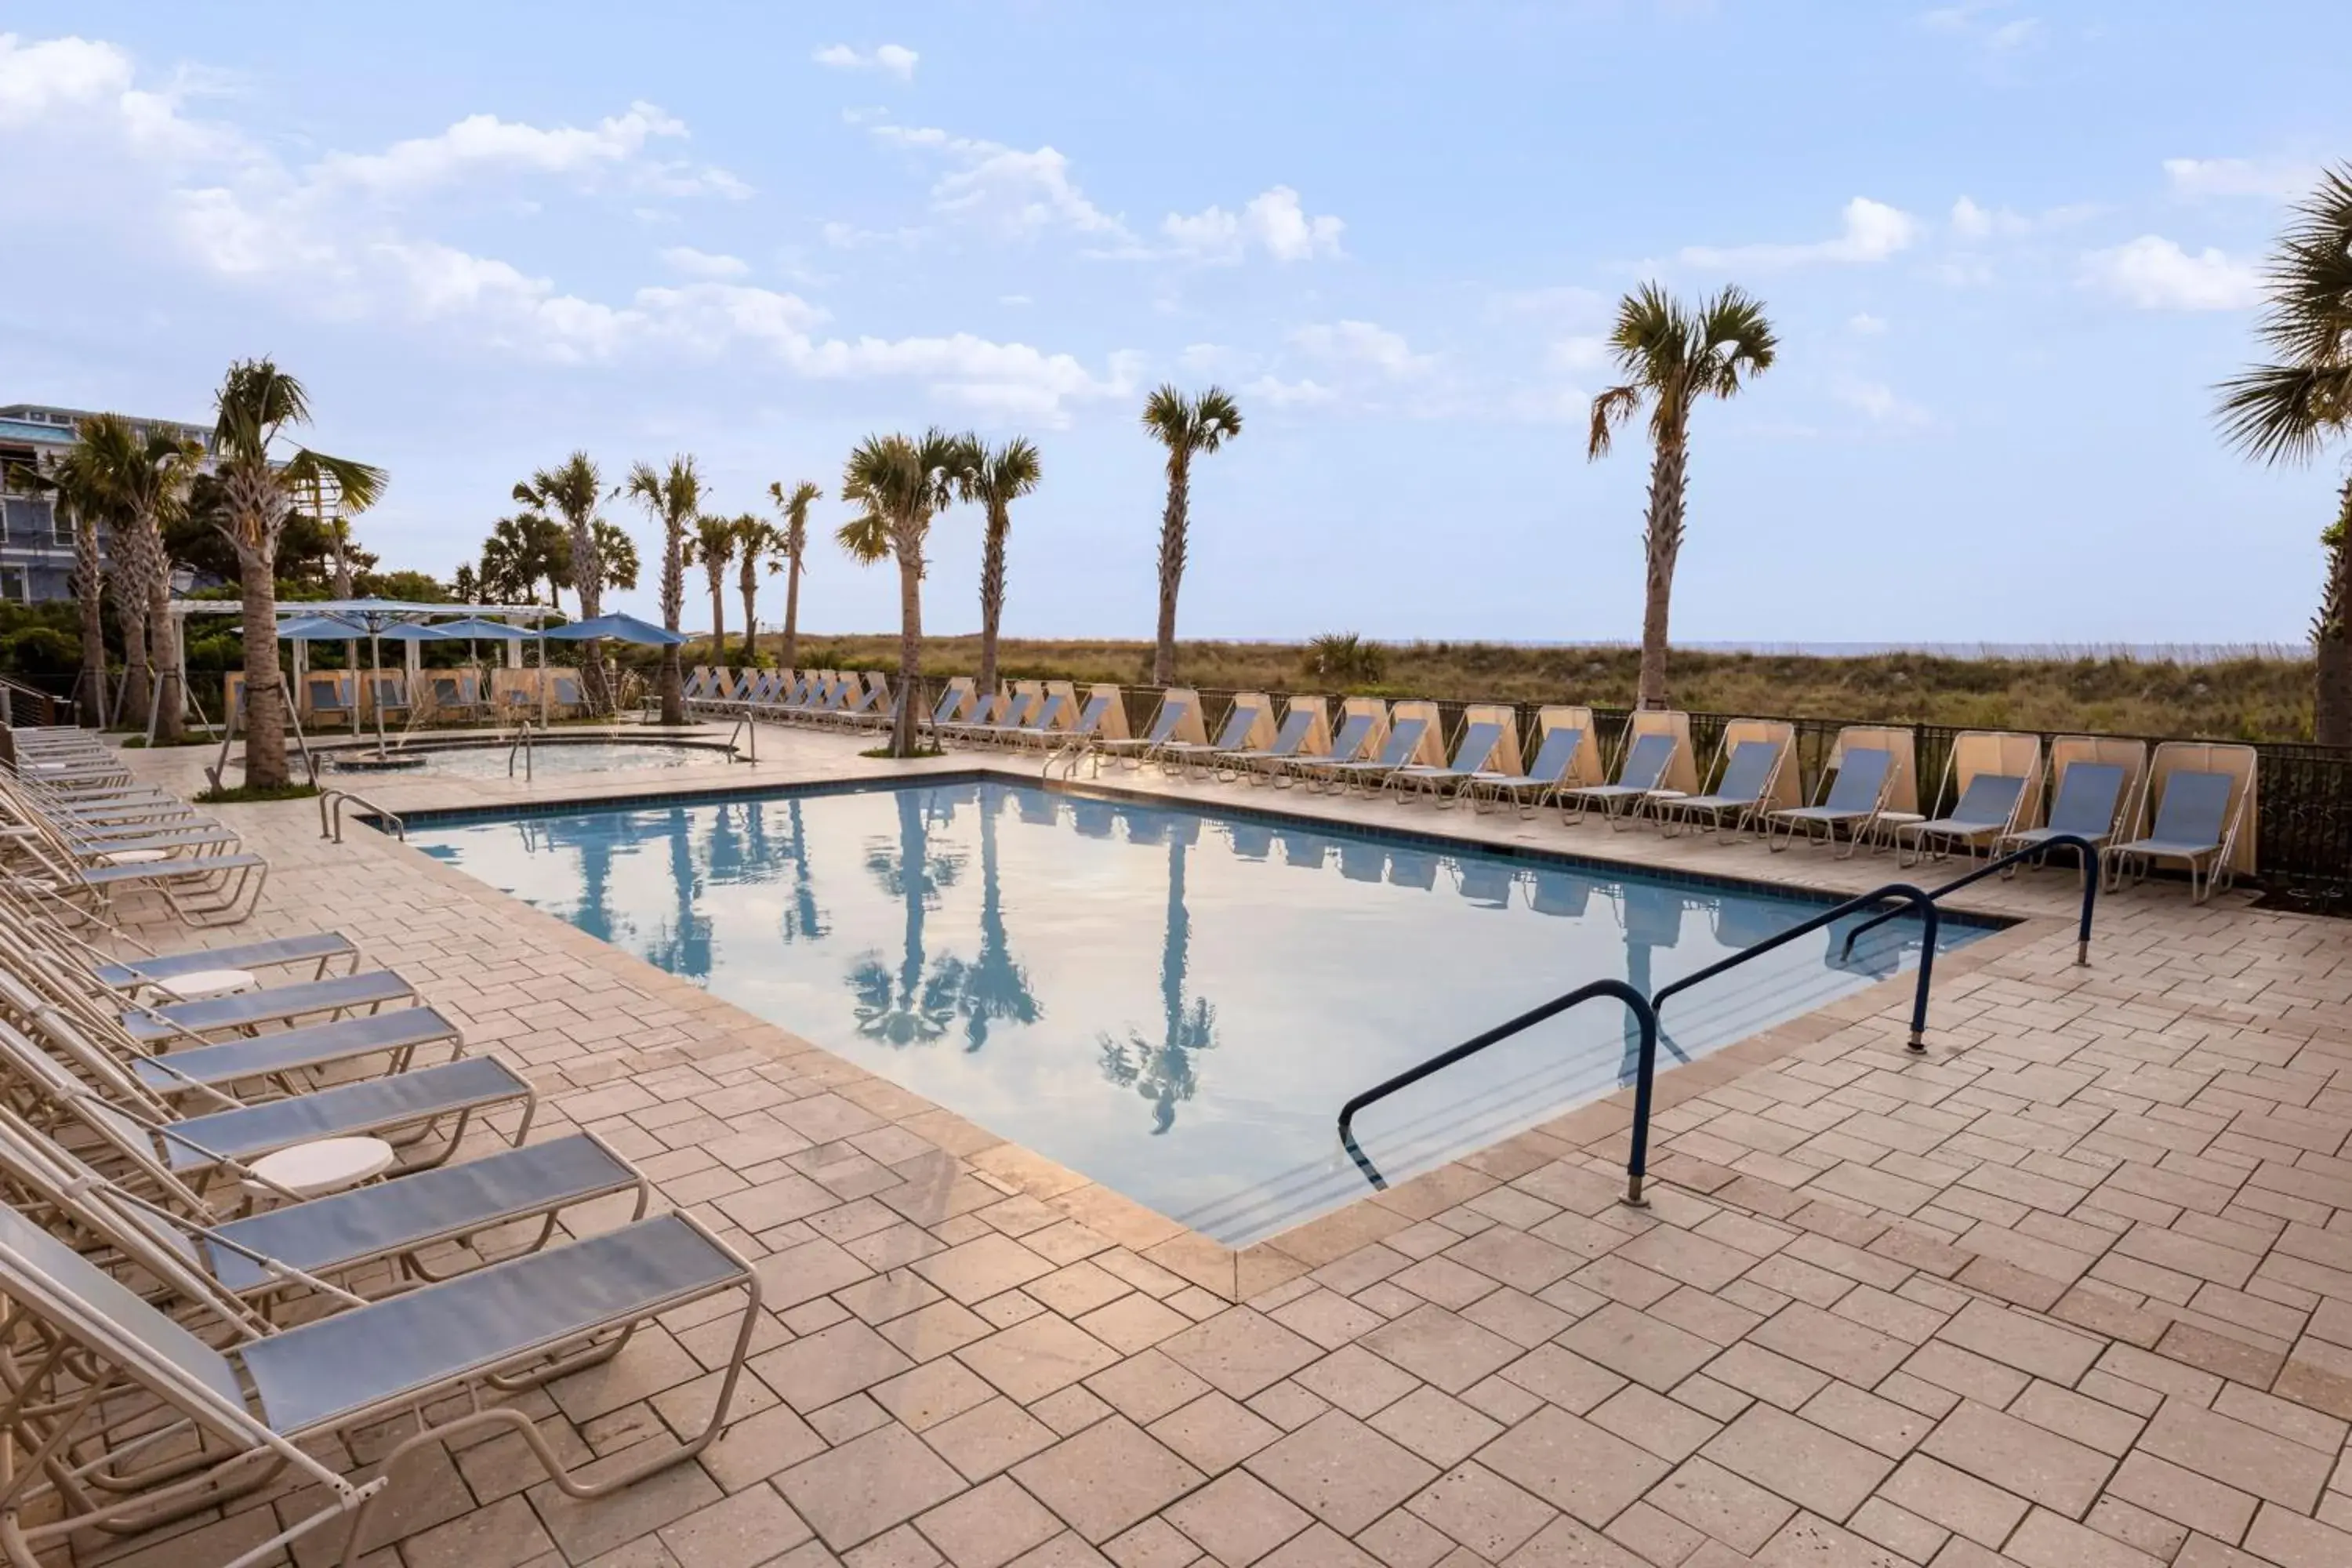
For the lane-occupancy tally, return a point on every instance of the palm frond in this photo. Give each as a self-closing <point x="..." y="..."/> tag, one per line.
<point x="1735" y="341"/>
<point x="1610" y="410"/>
<point x="1651" y="337"/>
<point x="865" y="538"/>
<point x="2286" y="413"/>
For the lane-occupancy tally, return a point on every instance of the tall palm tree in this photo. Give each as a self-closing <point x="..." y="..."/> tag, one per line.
<point x="999" y="478"/>
<point x="155" y="475"/>
<point x="792" y="551"/>
<point x="2290" y="409"/>
<point x="572" y="491"/>
<point x="523" y="551"/>
<point x="714" y="544"/>
<point x="673" y="498"/>
<point x="256" y="404"/>
<point x="1672" y="357"/>
<point x="755" y="536"/>
<point x="616" y="559"/>
<point x="903" y="482"/>
<point x="82" y="492"/>
<point x="1187" y="427"/>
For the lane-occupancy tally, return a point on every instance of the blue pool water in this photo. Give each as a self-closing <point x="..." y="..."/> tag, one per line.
<point x="1173" y="1002"/>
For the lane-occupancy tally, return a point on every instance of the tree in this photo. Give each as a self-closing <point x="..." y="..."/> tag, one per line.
<point x="903" y="482"/>
<point x="791" y="549"/>
<point x="572" y="491"/>
<point x="2289" y="410"/>
<point x="713" y="544"/>
<point x="465" y="584"/>
<point x="150" y="477"/>
<point x="617" y="557"/>
<point x="754" y="537"/>
<point x="256" y="404"/>
<point x="1187" y="427"/>
<point x="522" y="551"/>
<point x="81" y="491"/>
<point x="673" y="498"/>
<point x="996" y="480"/>
<point x="1671" y="358"/>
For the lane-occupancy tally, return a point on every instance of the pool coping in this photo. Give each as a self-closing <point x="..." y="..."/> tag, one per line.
<point x="1599" y="1126"/>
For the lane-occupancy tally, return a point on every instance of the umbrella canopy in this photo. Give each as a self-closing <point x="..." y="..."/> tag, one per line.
<point x="318" y="629"/>
<point x="476" y="626"/>
<point x="619" y="627"/>
<point x="411" y="631"/>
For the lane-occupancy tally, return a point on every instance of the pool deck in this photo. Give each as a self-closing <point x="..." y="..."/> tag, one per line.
<point x="2074" y="1288"/>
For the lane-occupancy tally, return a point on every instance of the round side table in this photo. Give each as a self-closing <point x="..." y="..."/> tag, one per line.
<point x="314" y="1170"/>
<point x="199" y="982"/>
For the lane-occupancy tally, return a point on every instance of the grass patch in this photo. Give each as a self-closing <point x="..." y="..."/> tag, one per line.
<point x="885" y="752"/>
<point x="139" y="742"/>
<point x="244" y="794"/>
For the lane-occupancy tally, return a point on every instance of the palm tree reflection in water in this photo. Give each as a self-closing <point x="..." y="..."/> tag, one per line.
<point x="1163" y="1073"/>
<point x="910" y="1007"/>
<point x="994" y="986"/>
<point x="803" y="920"/>
<point x="683" y="945"/>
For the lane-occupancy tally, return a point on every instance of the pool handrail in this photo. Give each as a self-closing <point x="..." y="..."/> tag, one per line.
<point x="1644" y="1016"/>
<point x="2092" y="871"/>
<point x="1904" y="892"/>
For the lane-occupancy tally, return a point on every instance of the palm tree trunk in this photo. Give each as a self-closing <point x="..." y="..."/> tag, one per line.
<point x="1171" y="565"/>
<point x="1662" y="542"/>
<point x="673" y="596"/>
<point x="718" y="622"/>
<point x="991" y="592"/>
<point x="587" y="573"/>
<point x="2331" y="638"/>
<point x="910" y="645"/>
<point x="131" y="614"/>
<point x="163" y="645"/>
<point x="751" y="622"/>
<point x="265" y="715"/>
<point x="791" y="649"/>
<point x="89" y="579"/>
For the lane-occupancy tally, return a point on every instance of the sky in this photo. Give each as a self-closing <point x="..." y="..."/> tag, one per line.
<point x="2009" y="247"/>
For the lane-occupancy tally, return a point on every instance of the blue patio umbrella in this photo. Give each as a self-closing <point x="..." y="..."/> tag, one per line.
<point x="620" y="628"/>
<point x="317" y="629"/>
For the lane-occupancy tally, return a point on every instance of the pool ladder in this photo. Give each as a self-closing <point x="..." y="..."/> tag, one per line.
<point x="331" y="823"/>
<point x="1645" y="1009"/>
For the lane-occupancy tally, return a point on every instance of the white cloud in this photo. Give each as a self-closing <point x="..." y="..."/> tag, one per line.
<point x="1577" y="354"/>
<point x="1863" y="324"/>
<point x="1207" y="359"/>
<point x="1364" y="343"/>
<point x="891" y="59"/>
<point x="1878" y="401"/>
<point x="1570" y="305"/>
<point x="1979" y="21"/>
<point x="2153" y="273"/>
<point x="2278" y="181"/>
<point x="1003" y="188"/>
<point x="1873" y="231"/>
<point x="485" y="144"/>
<point x="76" y="86"/>
<point x="1970" y="221"/>
<point x="703" y="263"/>
<point x="1272" y="221"/>
<point x="1301" y="393"/>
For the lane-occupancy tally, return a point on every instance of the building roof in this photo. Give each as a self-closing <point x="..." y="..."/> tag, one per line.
<point x="47" y="424"/>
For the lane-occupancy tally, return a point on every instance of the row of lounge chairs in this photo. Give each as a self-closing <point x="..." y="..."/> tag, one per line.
<point x="169" y="1345"/>
<point x="437" y="697"/>
<point x="76" y="829"/>
<point x="851" y="699"/>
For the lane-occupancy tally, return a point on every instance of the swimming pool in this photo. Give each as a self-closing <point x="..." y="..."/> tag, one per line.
<point x="490" y="759"/>
<point x="1172" y="1002"/>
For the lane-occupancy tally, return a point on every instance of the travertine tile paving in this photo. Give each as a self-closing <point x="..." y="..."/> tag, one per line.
<point x="2073" y="1288"/>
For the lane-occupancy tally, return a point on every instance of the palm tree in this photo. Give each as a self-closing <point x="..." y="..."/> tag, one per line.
<point x="903" y="483"/>
<point x="82" y="492"/>
<point x="572" y="491"/>
<point x="1186" y="426"/>
<point x="2290" y="409"/>
<point x="792" y="548"/>
<point x="521" y="552"/>
<point x="673" y="498"/>
<point x="256" y="404"/>
<point x="616" y="558"/>
<point x="1671" y="358"/>
<point x="755" y="536"/>
<point x="714" y="544"/>
<point x="998" y="479"/>
<point x="154" y="474"/>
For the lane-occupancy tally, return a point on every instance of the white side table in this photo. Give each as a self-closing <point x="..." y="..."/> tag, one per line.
<point x="1883" y="830"/>
<point x="314" y="1170"/>
<point x="205" y="983"/>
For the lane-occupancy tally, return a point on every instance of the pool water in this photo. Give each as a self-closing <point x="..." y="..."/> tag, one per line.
<point x="1173" y="1002"/>
<point x="558" y="758"/>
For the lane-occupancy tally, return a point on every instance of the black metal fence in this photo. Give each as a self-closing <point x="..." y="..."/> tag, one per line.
<point x="2304" y="792"/>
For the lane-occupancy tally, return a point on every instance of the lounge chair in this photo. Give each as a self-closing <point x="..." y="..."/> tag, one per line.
<point x="1473" y="754"/>
<point x="1246" y="717"/>
<point x="1265" y="762"/>
<point x="2090" y="803"/>
<point x="1053" y="722"/>
<point x="455" y="696"/>
<point x="2198" y="816"/>
<point x="1404" y="741"/>
<point x="953" y="702"/>
<point x="1544" y="778"/>
<point x="1180" y="710"/>
<point x="1985" y="813"/>
<point x="1360" y="731"/>
<point x="1742" y="793"/>
<point x="1852" y="801"/>
<point x="1642" y="772"/>
<point x="168" y="973"/>
<point x="265" y="1401"/>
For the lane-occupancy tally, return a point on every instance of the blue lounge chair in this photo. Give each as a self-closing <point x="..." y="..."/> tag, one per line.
<point x="2197" y="819"/>
<point x="1742" y="794"/>
<point x="1471" y="752"/>
<point x="1233" y="737"/>
<point x="1853" y="800"/>
<point x="1265" y="762"/>
<point x="2089" y="802"/>
<point x="1986" y="810"/>
<point x="1397" y="752"/>
<point x="1643" y="771"/>
<point x="1358" y="734"/>
<point x="1544" y="778"/>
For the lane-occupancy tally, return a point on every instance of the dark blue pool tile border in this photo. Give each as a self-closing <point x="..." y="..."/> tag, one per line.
<point x="476" y="815"/>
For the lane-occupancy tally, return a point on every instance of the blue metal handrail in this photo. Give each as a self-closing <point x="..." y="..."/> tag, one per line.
<point x="2092" y="869"/>
<point x="1907" y="895"/>
<point x="1644" y="1016"/>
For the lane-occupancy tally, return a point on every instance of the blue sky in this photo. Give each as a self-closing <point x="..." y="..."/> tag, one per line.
<point x="2009" y="247"/>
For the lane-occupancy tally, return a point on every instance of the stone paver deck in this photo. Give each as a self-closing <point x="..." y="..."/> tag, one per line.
<point x="2073" y="1289"/>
